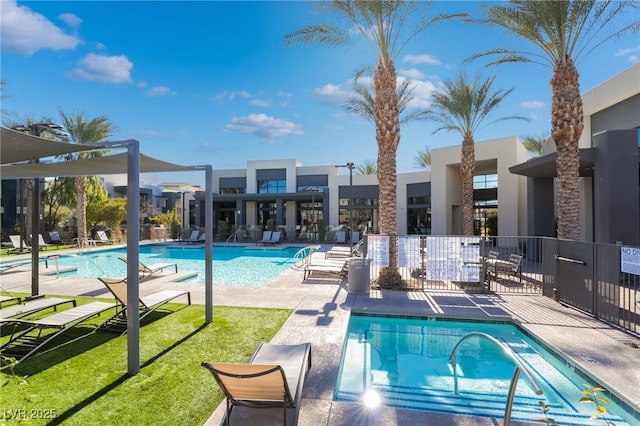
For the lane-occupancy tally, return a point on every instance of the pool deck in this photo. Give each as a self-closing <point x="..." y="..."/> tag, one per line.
<point x="322" y="305"/>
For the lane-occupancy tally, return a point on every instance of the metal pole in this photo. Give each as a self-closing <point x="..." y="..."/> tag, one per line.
<point x="133" y="250"/>
<point x="351" y="166"/>
<point x="208" y="250"/>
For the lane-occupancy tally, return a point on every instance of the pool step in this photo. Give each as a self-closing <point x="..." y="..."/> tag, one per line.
<point x="525" y="408"/>
<point x="61" y="270"/>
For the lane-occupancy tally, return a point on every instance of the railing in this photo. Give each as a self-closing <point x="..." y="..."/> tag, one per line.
<point x="520" y="368"/>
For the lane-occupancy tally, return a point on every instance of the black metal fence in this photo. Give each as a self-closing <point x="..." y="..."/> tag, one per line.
<point x="583" y="275"/>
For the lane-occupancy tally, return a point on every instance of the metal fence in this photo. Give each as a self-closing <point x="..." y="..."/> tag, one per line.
<point x="584" y="275"/>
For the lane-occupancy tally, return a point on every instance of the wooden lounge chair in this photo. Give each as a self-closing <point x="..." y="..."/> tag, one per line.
<point x="148" y="304"/>
<point x="147" y="270"/>
<point x="32" y="306"/>
<point x="26" y="341"/>
<point x="272" y="379"/>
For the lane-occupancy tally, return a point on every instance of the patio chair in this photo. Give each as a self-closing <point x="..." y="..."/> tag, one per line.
<point x="42" y="244"/>
<point x="15" y="242"/>
<point x="54" y="236"/>
<point x="147" y="304"/>
<point x="331" y="266"/>
<point x="5" y="299"/>
<point x="511" y="267"/>
<point x="266" y="237"/>
<point x="275" y="238"/>
<point x="272" y="379"/>
<point x="103" y="238"/>
<point x="26" y="341"/>
<point x="194" y="238"/>
<point x="32" y="306"/>
<point x="342" y="252"/>
<point x="147" y="270"/>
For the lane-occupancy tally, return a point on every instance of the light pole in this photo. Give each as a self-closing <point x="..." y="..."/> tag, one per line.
<point x="350" y="166"/>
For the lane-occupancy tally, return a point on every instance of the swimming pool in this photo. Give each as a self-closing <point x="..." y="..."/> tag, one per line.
<point x="405" y="361"/>
<point x="231" y="265"/>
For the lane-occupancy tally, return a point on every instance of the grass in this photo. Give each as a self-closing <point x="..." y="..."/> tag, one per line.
<point x="82" y="377"/>
<point x="6" y="252"/>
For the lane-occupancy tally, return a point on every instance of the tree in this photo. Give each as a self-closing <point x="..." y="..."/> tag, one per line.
<point x="463" y="107"/>
<point x="84" y="131"/>
<point x="423" y="159"/>
<point x="58" y="195"/>
<point x="533" y="144"/>
<point x="562" y="32"/>
<point x="368" y="167"/>
<point x="386" y="27"/>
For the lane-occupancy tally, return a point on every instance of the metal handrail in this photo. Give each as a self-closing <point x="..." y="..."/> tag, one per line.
<point x="520" y="368"/>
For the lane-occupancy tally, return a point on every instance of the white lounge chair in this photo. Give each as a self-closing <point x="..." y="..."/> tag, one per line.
<point x="148" y="303"/>
<point x="15" y="242"/>
<point x="42" y="244"/>
<point x="103" y="238"/>
<point x="32" y="306"/>
<point x="194" y="238"/>
<point x="25" y="342"/>
<point x="147" y="270"/>
<point x="275" y="238"/>
<point x="272" y="381"/>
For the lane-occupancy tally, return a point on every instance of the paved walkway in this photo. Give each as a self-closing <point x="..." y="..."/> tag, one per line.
<point x="322" y="306"/>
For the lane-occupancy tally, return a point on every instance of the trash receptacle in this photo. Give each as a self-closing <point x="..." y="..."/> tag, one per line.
<point x="359" y="276"/>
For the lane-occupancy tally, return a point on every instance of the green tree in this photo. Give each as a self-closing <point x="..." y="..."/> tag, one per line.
<point x="533" y="144"/>
<point x="562" y="33"/>
<point x="58" y="195"/>
<point x="84" y="131"/>
<point x="423" y="159"/>
<point x="464" y="107"/>
<point x="368" y="167"/>
<point x="96" y="197"/>
<point x="386" y="27"/>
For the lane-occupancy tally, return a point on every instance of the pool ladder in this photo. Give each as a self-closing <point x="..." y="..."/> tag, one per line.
<point x="520" y="368"/>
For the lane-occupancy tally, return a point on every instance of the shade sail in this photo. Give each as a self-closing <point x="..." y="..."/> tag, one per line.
<point x="17" y="146"/>
<point x="112" y="164"/>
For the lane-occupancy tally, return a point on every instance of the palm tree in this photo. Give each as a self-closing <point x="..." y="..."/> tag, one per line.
<point x="562" y="32"/>
<point x="463" y="107"/>
<point x="386" y="26"/>
<point x="84" y="131"/>
<point x="533" y="144"/>
<point x="368" y="167"/>
<point x="423" y="159"/>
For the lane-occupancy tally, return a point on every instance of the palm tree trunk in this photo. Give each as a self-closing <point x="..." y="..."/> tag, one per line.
<point x="467" y="171"/>
<point x="388" y="137"/>
<point x="81" y="207"/>
<point x="566" y="128"/>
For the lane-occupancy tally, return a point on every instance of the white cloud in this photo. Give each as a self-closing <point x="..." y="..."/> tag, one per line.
<point x="336" y="94"/>
<point x="240" y="94"/>
<point x="159" y="91"/>
<point x="26" y="32"/>
<point x="260" y="102"/>
<point x="532" y="104"/>
<point x="70" y="19"/>
<point x="413" y="74"/>
<point x="103" y="69"/>
<point x="263" y="126"/>
<point x="421" y="59"/>
<point x="624" y="52"/>
<point x="633" y="59"/>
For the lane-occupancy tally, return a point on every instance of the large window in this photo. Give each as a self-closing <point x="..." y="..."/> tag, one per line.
<point x="266" y="211"/>
<point x="272" y="186"/>
<point x="489" y="181"/>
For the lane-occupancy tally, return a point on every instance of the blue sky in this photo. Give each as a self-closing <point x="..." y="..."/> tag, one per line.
<point x="213" y="83"/>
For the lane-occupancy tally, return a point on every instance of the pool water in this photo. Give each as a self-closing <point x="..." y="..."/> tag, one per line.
<point x="406" y="362"/>
<point x="231" y="265"/>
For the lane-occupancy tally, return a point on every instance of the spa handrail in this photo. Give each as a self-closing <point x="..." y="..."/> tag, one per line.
<point x="514" y="379"/>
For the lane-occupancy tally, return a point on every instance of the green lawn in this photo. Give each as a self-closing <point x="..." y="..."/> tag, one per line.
<point x="81" y="377"/>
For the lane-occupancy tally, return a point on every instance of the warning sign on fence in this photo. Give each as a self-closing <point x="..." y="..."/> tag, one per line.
<point x="630" y="260"/>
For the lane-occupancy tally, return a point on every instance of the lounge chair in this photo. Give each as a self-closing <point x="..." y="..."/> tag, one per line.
<point x="15" y="241"/>
<point x="275" y="238"/>
<point x="32" y="306"/>
<point x="24" y="342"/>
<point x="331" y="266"/>
<point x="342" y="252"/>
<point x="272" y="379"/>
<point x="511" y="267"/>
<point x="5" y="299"/>
<point x="147" y="270"/>
<point x="266" y="237"/>
<point x="194" y="238"/>
<point x="7" y="266"/>
<point x="148" y="304"/>
<point x="42" y="244"/>
<point x="54" y="236"/>
<point x="103" y="238"/>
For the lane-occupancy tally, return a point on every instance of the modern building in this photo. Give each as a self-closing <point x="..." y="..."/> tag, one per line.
<point x="306" y="202"/>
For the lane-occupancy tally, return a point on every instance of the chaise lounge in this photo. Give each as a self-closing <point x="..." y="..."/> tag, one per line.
<point x="147" y="270"/>
<point x="32" y="306"/>
<point x="148" y="303"/>
<point x="272" y="379"/>
<point x="26" y="341"/>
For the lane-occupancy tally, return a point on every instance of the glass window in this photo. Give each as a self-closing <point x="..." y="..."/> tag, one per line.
<point x="232" y="190"/>
<point x="485" y="181"/>
<point x="272" y="186"/>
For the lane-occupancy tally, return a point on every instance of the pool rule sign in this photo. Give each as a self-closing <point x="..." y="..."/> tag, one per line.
<point x="630" y="260"/>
